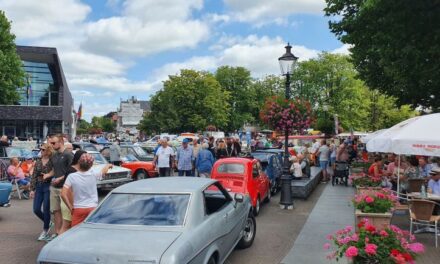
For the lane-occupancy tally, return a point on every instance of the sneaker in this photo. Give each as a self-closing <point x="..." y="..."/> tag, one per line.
<point x="25" y="195"/>
<point x="50" y="238"/>
<point x="51" y="224"/>
<point x="43" y="236"/>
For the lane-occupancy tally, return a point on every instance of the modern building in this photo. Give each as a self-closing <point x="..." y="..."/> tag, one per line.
<point x="46" y="104"/>
<point x="129" y="115"/>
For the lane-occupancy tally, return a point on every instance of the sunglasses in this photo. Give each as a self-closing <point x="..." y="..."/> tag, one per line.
<point x="42" y="149"/>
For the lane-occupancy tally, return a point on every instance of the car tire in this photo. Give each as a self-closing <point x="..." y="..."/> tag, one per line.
<point x="257" y="207"/>
<point x="212" y="260"/>
<point x="249" y="233"/>
<point x="140" y="175"/>
<point x="269" y="195"/>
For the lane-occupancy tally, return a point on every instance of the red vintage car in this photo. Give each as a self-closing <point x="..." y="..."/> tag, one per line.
<point x="243" y="175"/>
<point x="139" y="169"/>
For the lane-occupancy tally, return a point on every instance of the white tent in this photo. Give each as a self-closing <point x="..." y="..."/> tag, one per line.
<point x="371" y="135"/>
<point x="416" y="136"/>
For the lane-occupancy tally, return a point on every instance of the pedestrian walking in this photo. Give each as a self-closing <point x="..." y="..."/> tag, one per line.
<point x="80" y="189"/>
<point x="204" y="161"/>
<point x="61" y="160"/>
<point x="115" y="153"/>
<point x="184" y="159"/>
<point x="221" y="151"/>
<point x="65" y="212"/>
<point x="164" y="158"/>
<point x="40" y="188"/>
<point x="196" y="148"/>
<point x="323" y="154"/>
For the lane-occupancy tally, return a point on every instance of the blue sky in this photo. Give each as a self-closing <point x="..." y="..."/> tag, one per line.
<point x="114" y="49"/>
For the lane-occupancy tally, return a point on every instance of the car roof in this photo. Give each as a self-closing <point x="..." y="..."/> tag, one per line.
<point x="237" y="160"/>
<point x="166" y="185"/>
<point x="92" y="152"/>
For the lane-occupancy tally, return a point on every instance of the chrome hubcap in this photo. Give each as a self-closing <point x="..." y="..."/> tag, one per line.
<point x="249" y="230"/>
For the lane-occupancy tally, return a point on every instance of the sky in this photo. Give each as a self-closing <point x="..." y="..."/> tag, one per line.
<point x="111" y="50"/>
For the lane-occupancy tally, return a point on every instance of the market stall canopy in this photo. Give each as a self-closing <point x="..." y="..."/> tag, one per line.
<point x="415" y="136"/>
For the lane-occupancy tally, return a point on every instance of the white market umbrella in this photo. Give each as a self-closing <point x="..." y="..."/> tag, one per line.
<point x="371" y="135"/>
<point x="415" y="136"/>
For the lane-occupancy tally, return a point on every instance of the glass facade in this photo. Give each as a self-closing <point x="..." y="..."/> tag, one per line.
<point x="24" y="129"/>
<point x="41" y="87"/>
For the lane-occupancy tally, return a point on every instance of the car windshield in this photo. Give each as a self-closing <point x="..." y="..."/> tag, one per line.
<point x="129" y="158"/>
<point x="99" y="159"/>
<point x="17" y="152"/>
<point x="234" y="168"/>
<point x="260" y="156"/>
<point x="142" y="209"/>
<point x="139" y="151"/>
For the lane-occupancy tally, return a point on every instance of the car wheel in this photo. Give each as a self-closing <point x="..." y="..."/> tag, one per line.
<point x="257" y="206"/>
<point x="140" y="175"/>
<point x="250" y="231"/>
<point x="269" y="195"/>
<point x="212" y="260"/>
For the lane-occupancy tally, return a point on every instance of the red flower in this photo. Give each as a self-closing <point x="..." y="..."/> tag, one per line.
<point x="370" y="228"/>
<point x="407" y="256"/>
<point x="395" y="252"/>
<point x="369" y="199"/>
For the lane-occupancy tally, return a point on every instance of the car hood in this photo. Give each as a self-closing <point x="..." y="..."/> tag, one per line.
<point x="99" y="167"/>
<point x="139" y="163"/>
<point x="94" y="244"/>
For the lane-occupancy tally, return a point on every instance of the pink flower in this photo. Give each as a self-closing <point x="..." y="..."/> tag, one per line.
<point x="355" y="237"/>
<point x="370" y="249"/>
<point x="416" y="247"/>
<point x="326" y="246"/>
<point x="348" y="229"/>
<point x="351" y="251"/>
<point x="383" y="233"/>
<point x="369" y="199"/>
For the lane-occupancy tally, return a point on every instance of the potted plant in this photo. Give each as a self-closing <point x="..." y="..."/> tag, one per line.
<point x="371" y="245"/>
<point x="282" y="114"/>
<point x="375" y="207"/>
<point x="364" y="183"/>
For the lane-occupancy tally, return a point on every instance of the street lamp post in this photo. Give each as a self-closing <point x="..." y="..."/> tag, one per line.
<point x="287" y="63"/>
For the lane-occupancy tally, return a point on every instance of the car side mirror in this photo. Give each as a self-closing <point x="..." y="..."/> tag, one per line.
<point x="238" y="197"/>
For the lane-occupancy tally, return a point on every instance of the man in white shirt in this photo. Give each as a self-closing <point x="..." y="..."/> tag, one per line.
<point x="164" y="158"/>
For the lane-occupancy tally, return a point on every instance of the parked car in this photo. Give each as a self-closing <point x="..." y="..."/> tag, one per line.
<point x="5" y="193"/>
<point x="243" y="175"/>
<point x="136" y="151"/>
<point x="171" y="220"/>
<point x="86" y="146"/>
<point x="115" y="176"/>
<point x="139" y="169"/>
<point x="19" y="152"/>
<point x="272" y="166"/>
<point x="151" y="143"/>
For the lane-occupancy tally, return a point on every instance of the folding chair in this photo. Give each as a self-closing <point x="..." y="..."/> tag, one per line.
<point x="421" y="213"/>
<point x="414" y="185"/>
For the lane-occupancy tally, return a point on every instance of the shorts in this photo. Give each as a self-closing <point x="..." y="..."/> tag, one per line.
<point x="332" y="160"/>
<point x="55" y="199"/>
<point x="80" y="214"/>
<point x="324" y="164"/>
<point x="65" y="212"/>
<point x="23" y="182"/>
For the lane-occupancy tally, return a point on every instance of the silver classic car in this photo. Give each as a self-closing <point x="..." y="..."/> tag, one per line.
<point x="172" y="220"/>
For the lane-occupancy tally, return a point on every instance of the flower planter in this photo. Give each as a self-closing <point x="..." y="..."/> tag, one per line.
<point x="367" y="190"/>
<point x="378" y="220"/>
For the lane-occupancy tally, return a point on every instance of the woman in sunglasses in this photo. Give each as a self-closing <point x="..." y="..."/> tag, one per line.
<point x="40" y="183"/>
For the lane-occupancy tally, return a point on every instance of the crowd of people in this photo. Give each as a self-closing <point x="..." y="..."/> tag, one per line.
<point x="62" y="184"/>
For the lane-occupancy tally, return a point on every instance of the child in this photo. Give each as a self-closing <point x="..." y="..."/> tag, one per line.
<point x="296" y="168"/>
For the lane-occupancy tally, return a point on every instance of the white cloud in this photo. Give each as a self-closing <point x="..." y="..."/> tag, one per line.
<point x="91" y="109"/>
<point x="263" y="11"/>
<point x="132" y="36"/>
<point x="259" y="55"/>
<point x="34" y="19"/>
<point x="344" y="49"/>
<point x="146" y="27"/>
<point x="82" y="93"/>
<point x="115" y="84"/>
<point x="80" y="63"/>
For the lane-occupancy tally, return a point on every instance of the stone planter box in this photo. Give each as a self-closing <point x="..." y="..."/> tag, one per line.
<point x="376" y="219"/>
<point x="367" y="190"/>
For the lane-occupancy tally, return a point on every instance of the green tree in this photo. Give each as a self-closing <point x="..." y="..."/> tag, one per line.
<point x="189" y="101"/>
<point x="106" y="124"/>
<point x="237" y="81"/>
<point x="82" y="127"/>
<point x="11" y="73"/>
<point x="330" y="83"/>
<point x="395" y="45"/>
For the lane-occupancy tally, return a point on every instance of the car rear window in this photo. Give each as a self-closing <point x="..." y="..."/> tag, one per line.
<point x="142" y="209"/>
<point x="234" y="168"/>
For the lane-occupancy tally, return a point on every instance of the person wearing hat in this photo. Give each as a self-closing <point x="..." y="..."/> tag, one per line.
<point x="434" y="183"/>
<point x="185" y="158"/>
